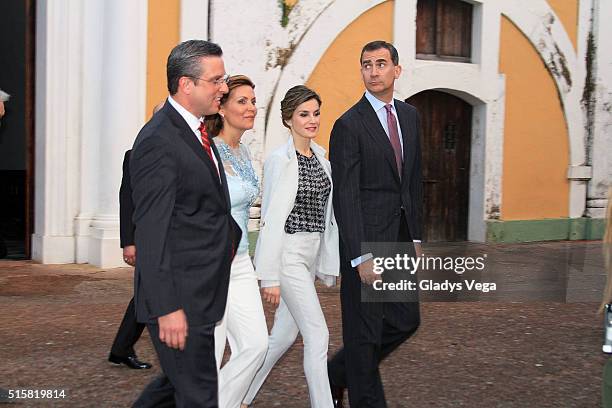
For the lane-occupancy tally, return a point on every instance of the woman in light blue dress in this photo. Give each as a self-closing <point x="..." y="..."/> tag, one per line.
<point x="244" y="323"/>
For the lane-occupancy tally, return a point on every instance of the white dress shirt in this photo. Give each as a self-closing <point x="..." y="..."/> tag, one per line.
<point x="194" y="125"/>
<point x="381" y="112"/>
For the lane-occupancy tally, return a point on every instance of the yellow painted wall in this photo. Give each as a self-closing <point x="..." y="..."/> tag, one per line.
<point x="337" y="76"/>
<point x="567" y="11"/>
<point x="162" y="36"/>
<point x="536" y="150"/>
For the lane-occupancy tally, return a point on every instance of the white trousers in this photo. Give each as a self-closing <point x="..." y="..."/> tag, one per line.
<point x="244" y="325"/>
<point x="299" y="311"/>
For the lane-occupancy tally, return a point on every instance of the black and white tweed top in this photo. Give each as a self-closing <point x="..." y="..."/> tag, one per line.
<point x="308" y="213"/>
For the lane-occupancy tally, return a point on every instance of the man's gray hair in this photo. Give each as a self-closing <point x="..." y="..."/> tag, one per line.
<point x="4" y="96"/>
<point x="184" y="61"/>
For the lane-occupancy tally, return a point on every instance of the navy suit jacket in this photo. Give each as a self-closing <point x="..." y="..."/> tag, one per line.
<point x="185" y="234"/>
<point x="369" y="193"/>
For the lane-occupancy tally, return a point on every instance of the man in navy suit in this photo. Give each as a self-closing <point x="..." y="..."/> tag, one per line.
<point x="185" y="234"/>
<point x="375" y="155"/>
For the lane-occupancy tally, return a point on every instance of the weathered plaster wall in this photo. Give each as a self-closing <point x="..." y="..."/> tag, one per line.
<point x="536" y="150"/>
<point x="337" y="76"/>
<point x="599" y="95"/>
<point x="278" y="53"/>
<point x="542" y="27"/>
<point x="567" y="11"/>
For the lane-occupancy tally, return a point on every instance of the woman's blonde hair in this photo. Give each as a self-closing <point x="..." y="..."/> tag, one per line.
<point x="607" y="253"/>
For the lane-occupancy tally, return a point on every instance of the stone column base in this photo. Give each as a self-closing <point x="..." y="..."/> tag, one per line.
<point x="104" y="250"/>
<point x="53" y="249"/>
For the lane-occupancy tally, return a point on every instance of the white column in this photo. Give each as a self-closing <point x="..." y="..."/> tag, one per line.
<point x="123" y="89"/>
<point x="93" y="36"/>
<point x="490" y="198"/>
<point x="194" y="20"/>
<point x="601" y="143"/>
<point x="58" y="108"/>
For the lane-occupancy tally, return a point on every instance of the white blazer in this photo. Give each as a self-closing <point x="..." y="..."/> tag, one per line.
<point x="280" y="185"/>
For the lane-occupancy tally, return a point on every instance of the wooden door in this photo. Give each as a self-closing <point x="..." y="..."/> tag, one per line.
<point x="445" y="139"/>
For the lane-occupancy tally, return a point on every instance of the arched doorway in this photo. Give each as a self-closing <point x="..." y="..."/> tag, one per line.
<point x="446" y="127"/>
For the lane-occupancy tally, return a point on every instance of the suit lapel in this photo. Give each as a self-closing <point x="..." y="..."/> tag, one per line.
<point x="376" y="131"/>
<point x="189" y="138"/>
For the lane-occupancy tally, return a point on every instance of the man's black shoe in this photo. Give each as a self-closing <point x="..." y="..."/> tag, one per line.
<point x="337" y="396"/>
<point x="130" y="361"/>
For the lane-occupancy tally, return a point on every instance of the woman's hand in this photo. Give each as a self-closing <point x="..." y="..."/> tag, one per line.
<point x="271" y="294"/>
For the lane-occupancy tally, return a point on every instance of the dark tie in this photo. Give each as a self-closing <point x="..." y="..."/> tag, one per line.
<point x="205" y="140"/>
<point x="394" y="138"/>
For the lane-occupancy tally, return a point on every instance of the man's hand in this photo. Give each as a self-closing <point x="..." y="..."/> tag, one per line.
<point x="1" y="109"/>
<point x="418" y="249"/>
<point x="173" y="329"/>
<point x="129" y="255"/>
<point x="366" y="272"/>
<point x="271" y="295"/>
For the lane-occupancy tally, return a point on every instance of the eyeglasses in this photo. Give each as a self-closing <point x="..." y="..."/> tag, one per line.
<point x="217" y="82"/>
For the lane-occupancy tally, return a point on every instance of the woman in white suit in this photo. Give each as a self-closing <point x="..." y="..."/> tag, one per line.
<point x="298" y="241"/>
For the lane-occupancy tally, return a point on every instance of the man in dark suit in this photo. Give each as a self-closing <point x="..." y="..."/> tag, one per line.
<point x="130" y="330"/>
<point x="185" y="234"/>
<point x="376" y="167"/>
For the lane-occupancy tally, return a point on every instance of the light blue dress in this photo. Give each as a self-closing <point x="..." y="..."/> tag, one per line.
<point x="242" y="183"/>
<point x="244" y="322"/>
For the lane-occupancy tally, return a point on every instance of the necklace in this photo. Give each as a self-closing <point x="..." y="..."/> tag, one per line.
<point x="241" y="165"/>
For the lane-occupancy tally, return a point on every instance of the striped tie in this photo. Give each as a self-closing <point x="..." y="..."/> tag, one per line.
<point x="394" y="138"/>
<point x="205" y="140"/>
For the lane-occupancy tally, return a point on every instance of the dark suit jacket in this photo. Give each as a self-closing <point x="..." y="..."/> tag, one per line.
<point x="368" y="192"/>
<point x="185" y="234"/>
<point x="126" y="205"/>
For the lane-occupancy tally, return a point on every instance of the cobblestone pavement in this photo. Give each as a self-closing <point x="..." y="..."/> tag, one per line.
<point x="537" y="345"/>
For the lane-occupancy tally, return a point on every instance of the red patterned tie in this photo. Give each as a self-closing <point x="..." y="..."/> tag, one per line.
<point x="394" y="138"/>
<point x="205" y="140"/>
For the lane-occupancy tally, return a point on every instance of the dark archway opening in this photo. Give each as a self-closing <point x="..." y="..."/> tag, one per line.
<point x="17" y="50"/>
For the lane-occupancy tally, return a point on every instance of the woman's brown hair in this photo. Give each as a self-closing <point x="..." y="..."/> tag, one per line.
<point x="214" y="123"/>
<point x="294" y="98"/>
